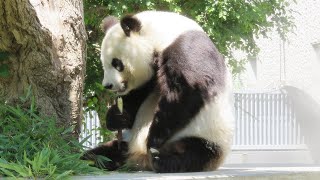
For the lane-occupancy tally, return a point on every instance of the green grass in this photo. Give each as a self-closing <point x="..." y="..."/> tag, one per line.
<point x="33" y="146"/>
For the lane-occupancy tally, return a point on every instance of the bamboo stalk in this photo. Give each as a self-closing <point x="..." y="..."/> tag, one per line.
<point x="119" y="135"/>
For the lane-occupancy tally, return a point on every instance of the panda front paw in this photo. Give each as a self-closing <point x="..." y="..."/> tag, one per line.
<point x="109" y="150"/>
<point x="117" y="120"/>
<point x="164" y="162"/>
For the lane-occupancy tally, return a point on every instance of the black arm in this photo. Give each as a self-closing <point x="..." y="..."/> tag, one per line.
<point x="131" y="105"/>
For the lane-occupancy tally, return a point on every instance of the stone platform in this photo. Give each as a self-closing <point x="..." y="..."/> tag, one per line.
<point x="234" y="172"/>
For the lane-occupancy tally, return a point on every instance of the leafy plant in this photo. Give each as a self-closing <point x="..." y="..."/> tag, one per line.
<point x="32" y="145"/>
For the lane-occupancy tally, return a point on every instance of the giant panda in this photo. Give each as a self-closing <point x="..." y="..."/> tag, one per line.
<point x="175" y="86"/>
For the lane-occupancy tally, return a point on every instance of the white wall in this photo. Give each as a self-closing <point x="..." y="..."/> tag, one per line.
<point x="294" y="62"/>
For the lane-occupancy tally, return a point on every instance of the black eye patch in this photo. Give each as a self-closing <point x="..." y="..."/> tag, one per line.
<point x="117" y="63"/>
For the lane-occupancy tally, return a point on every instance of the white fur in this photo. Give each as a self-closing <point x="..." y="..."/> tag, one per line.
<point x="142" y="123"/>
<point x="162" y="28"/>
<point x="135" y="53"/>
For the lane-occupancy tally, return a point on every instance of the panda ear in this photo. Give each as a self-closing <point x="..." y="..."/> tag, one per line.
<point x="108" y="22"/>
<point x="130" y="23"/>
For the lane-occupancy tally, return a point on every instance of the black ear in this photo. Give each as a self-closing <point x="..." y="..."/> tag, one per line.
<point x="108" y="22"/>
<point x="130" y="23"/>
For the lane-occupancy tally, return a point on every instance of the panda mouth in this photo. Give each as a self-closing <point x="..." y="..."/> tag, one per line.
<point x="121" y="90"/>
<point x="123" y="87"/>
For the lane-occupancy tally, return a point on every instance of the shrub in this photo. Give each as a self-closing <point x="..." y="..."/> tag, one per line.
<point x="33" y="146"/>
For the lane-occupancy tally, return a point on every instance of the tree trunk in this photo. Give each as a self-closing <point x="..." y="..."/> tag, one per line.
<point x="45" y="40"/>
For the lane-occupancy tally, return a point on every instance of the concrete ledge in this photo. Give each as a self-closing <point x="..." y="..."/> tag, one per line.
<point x="235" y="172"/>
<point x="270" y="157"/>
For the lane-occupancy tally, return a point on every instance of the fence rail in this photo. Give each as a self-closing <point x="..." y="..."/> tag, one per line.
<point x="263" y="121"/>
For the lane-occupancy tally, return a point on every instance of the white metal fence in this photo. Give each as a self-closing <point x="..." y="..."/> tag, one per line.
<point x="263" y="121"/>
<point x="89" y="129"/>
<point x="266" y="121"/>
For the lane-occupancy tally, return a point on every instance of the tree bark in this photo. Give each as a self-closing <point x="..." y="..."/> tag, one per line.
<point x="45" y="40"/>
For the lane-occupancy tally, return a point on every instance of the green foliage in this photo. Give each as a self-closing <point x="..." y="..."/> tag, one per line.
<point x="33" y="146"/>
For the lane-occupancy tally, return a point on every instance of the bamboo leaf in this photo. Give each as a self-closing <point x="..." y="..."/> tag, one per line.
<point x="120" y="104"/>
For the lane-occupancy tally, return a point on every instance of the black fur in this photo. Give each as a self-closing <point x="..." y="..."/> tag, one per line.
<point x="117" y="120"/>
<point x="130" y="23"/>
<point x="191" y="72"/>
<point x="131" y="105"/>
<point x="111" y="151"/>
<point x="117" y="64"/>
<point x="186" y="155"/>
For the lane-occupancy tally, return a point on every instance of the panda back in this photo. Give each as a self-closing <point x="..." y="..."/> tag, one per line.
<point x="163" y="28"/>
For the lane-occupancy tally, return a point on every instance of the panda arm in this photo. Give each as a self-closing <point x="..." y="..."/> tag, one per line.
<point x="117" y="120"/>
<point x="131" y="105"/>
<point x="191" y="72"/>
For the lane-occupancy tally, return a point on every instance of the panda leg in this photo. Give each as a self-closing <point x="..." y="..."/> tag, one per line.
<point x="190" y="154"/>
<point x="109" y="150"/>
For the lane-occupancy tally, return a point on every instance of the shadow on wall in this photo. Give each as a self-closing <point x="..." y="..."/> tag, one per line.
<point x="308" y="115"/>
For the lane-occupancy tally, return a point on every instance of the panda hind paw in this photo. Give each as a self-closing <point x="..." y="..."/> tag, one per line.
<point x="172" y="164"/>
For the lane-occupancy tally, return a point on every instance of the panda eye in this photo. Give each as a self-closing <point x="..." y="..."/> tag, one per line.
<point x="117" y="64"/>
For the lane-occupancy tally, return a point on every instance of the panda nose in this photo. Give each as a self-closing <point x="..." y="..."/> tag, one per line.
<point x="108" y="86"/>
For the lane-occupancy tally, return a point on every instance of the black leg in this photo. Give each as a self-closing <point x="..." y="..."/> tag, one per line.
<point x="186" y="155"/>
<point x="109" y="150"/>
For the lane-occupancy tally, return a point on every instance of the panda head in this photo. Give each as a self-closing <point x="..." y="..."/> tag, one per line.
<point x="126" y="55"/>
